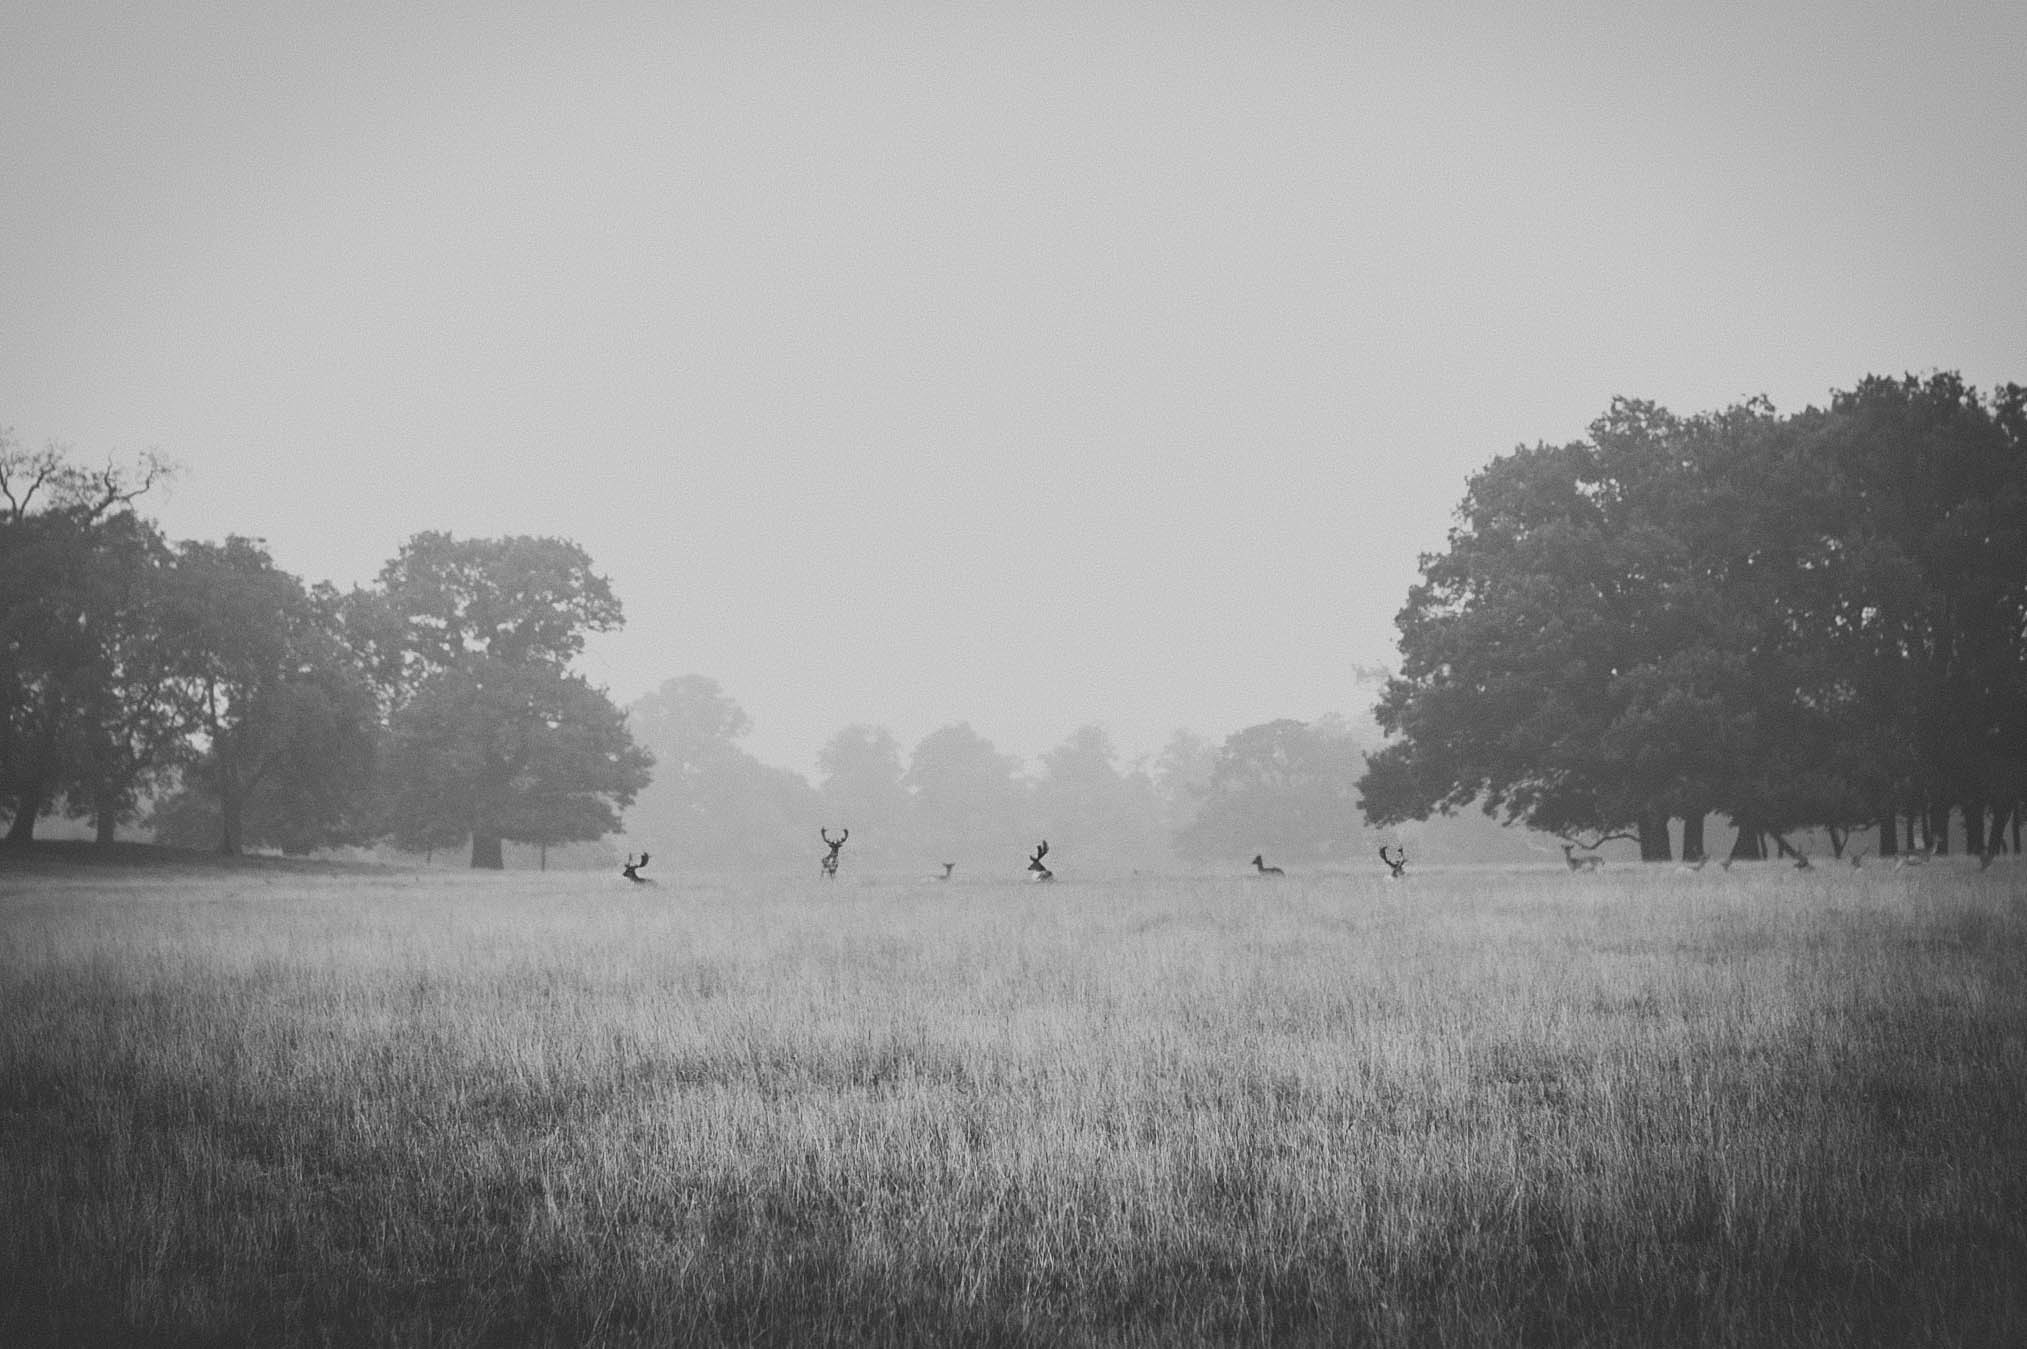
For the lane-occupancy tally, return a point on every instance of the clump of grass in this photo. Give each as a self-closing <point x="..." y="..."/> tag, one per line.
<point x="541" y="1109"/>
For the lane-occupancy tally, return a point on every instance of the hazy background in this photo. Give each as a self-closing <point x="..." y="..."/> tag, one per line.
<point x="1030" y="365"/>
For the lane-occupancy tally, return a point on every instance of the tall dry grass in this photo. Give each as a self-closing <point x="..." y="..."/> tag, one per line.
<point x="1636" y="1108"/>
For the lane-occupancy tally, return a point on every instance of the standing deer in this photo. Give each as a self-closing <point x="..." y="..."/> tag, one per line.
<point x="830" y="863"/>
<point x="1580" y="863"/>
<point x="1042" y="873"/>
<point x="1397" y="868"/>
<point x="1259" y="861"/>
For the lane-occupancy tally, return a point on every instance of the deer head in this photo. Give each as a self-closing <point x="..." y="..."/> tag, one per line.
<point x="1035" y="863"/>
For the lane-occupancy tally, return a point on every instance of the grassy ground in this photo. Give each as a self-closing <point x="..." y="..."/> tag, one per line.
<point x="271" y="1105"/>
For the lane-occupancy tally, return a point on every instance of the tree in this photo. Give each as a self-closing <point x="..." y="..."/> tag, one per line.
<point x="132" y="732"/>
<point x="863" y="789"/>
<point x="1920" y="594"/>
<point x="1090" y="810"/>
<point x="80" y="714"/>
<point x="491" y="733"/>
<point x="712" y="804"/>
<point x="1510" y="649"/>
<point x="1284" y="787"/>
<point x="496" y="749"/>
<point x="1182" y="778"/>
<point x="968" y="802"/>
<point x="285" y="717"/>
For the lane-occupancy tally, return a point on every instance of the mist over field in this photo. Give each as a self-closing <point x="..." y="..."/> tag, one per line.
<point x="1096" y="672"/>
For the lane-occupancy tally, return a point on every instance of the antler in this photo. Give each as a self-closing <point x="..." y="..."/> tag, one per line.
<point x="1042" y="851"/>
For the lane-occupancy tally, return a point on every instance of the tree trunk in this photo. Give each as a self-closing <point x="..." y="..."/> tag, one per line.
<point x="231" y="821"/>
<point x="1746" y="847"/>
<point x="27" y="806"/>
<point x="1939" y="830"/>
<point x="1654" y="839"/>
<point x="487" y="854"/>
<point x="105" y="829"/>
<point x="1889" y="835"/>
<point x="1692" y="837"/>
<point x="1974" y="827"/>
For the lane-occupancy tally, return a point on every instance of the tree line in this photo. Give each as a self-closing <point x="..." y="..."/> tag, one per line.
<point x="242" y="708"/>
<point x="1806" y="621"/>
<point x="204" y="693"/>
<point x="1286" y="787"/>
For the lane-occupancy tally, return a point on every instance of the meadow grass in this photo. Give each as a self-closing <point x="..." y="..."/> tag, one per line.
<point x="1641" y="1108"/>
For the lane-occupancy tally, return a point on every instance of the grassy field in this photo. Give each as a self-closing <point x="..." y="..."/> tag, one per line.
<point x="280" y="1105"/>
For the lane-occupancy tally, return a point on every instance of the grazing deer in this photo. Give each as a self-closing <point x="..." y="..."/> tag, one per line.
<point x="632" y="870"/>
<point x="1259" y="861"/>
<point x="1397" y="868"/>
<point x="1576" y="863"/>
<point x="1042" y="873"/>
<point x="830" y="863"/>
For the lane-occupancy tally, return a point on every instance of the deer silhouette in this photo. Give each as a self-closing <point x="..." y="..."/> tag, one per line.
<point x="1576" y="863"/>
<point x="1259" y="861"/>
<point x="1397" y="868"/>
<point x="1042" y="873"/>
<point x="830" y="863"/>
<point x="632" y="869"/>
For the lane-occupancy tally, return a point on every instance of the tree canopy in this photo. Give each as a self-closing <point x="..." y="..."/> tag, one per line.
<point x="1812" y="620"/>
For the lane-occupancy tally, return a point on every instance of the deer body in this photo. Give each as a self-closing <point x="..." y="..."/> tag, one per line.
<point x="830" y="863"/>
<point x="1580" y="863"/>
<point x="1259" y="861"/>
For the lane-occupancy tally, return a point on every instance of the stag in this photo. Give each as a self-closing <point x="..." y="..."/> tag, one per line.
<point x="830" y="863"/>
<point x="1042" y="873"/>
<point x="1259" y="860"/>
<point x="1580" y="863"/>
<point x="632" y="870"/>
<point x="1397" y="868"/>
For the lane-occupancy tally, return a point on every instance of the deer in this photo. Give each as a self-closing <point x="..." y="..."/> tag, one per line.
<point x="948" y="867"/>
<point x="1042" y="873"/>
<point x="632" y="869"/>
<point x="830" y="863"/>
<point x="1259" y="860"/>
<point x="1915" y="859"/>
<point x="1397" y="868"/>
<point x="1591" y="863"/>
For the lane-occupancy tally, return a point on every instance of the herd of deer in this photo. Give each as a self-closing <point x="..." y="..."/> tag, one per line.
<point x="1397" y="867"/>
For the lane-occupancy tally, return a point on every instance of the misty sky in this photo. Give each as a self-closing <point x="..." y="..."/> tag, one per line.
<point x="1031" y="364"/>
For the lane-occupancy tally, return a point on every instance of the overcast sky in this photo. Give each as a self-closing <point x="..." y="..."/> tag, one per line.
<point x="1027" y="364"/>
